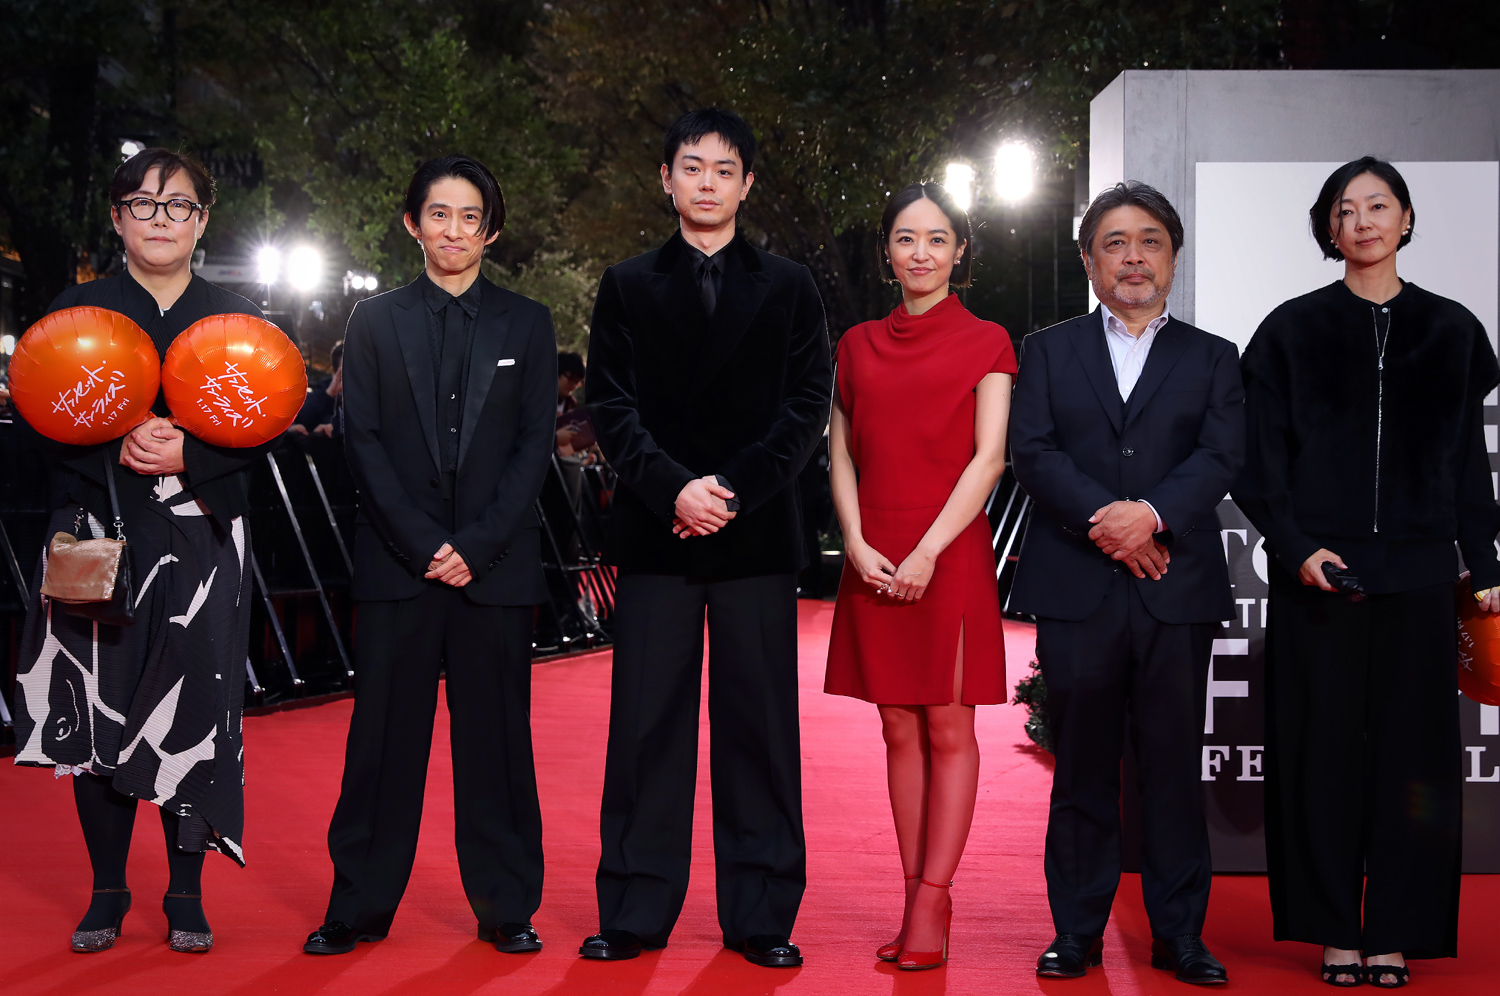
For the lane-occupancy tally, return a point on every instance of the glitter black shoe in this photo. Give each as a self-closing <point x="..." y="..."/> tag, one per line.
<point x="102" y="938"/>
<point x="198" y="939"/>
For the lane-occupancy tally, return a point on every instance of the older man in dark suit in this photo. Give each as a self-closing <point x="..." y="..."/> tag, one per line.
<point x="449" y="409"/>
<point x="709" y="382"/>
<point x="1127" y="430"/>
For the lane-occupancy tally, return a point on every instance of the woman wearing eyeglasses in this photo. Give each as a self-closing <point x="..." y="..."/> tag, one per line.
<point x="150" y="710"/>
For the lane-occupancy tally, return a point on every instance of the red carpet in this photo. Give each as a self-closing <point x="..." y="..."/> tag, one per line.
<point x="293" y="763"/>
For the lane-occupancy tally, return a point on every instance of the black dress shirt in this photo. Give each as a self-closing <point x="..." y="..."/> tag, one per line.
<point x="450" y="333"/>
<point x="709" y="272"/>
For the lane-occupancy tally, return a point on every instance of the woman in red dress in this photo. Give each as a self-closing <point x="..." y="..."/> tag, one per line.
<point x="917" y="443"/>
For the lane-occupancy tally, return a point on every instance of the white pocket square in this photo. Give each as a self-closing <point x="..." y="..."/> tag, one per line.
<point x="506" y="363"/>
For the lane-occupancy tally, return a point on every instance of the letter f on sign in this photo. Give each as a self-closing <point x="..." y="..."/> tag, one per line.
<point x="1224" y="689"/>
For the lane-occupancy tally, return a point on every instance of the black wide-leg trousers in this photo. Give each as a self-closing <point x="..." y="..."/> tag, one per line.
<point x="399" y="648"/>
<point x="1123" y="660"/>
<point x="1364" y="769"/>
<point x="646" y="819"/>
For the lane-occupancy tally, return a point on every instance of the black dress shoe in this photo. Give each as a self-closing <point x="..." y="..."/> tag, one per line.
<point x="612" y="945"/>
<point x="512" y="938"/>
<point x="336" y="937"/>
<point x="1070" y="956"/>
<point x="1187" y="956"/>
<point x="769" y="951"/>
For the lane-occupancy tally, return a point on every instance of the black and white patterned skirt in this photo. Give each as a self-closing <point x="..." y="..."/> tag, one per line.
<point x="155" y="706"/>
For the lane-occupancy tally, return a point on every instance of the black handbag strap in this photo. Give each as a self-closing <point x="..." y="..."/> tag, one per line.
<point x="114" y="498"/>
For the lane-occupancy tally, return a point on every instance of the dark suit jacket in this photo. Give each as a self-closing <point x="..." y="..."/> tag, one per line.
<point x="505" y="446"/>
<point x="674" y="396"/>
<point x="1075" y="447"/>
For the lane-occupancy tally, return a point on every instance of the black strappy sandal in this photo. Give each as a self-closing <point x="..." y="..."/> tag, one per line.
<point x="1356" y="973"/>
<point x="1401" y="974"/>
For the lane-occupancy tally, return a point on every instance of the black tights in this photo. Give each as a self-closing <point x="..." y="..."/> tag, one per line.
<point x="108" y="820"/>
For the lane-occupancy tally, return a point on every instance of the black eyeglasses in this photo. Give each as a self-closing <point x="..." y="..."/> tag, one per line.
<point x="144" y="208"/>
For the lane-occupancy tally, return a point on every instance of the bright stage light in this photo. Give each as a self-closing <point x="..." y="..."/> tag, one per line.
<point x="960" y="183"/>
<point x="268" y="265"/>
<point x="304" y="268"/>
<point x="1015" y="171"/>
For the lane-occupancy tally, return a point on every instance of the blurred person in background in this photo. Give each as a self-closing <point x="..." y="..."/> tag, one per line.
<point x="323" y="412"/>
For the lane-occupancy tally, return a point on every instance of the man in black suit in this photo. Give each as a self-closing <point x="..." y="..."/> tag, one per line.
<point x="1127" y="430"/>
<point x="709" y="382"/>
<point x="448" y="405"/>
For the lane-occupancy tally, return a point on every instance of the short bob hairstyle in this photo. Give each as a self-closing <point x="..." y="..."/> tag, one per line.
<point x="131" y="176"/>
<point x="459" y="168"/>
<point x="1333" y="192"/>
<point x="938" y="194"/>
<point x="1130" y="193"/>
<point x="693" y="125"/>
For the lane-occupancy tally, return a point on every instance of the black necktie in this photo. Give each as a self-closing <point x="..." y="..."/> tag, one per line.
<point x="450" y="383"/>
<point x="707" y="267"/>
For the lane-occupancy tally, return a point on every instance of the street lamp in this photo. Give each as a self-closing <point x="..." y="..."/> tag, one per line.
<point x="959" y="180"/>
<point x="304" y="268"/>
<point x="1015" y="171"/>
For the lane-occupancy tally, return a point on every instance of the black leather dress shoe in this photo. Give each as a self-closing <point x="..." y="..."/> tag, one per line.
<point x="336" y="937"/>
<point x="512" y="938"/>
<point x="769" y="951"/>
<point x="1187" y="956"/>
<point x="612" y="945"/>
<point x="1070" y="956"/>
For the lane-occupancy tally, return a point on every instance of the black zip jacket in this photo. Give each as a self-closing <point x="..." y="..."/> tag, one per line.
<point x="1376" y="454"/>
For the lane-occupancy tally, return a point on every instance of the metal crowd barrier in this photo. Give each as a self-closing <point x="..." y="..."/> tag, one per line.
<point x="303" y="504"/>
<point x="1009" y="509"/>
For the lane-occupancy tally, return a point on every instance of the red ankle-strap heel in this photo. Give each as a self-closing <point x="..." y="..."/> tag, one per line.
<point x="892" y="951"/>
<point x="915" y="961"/>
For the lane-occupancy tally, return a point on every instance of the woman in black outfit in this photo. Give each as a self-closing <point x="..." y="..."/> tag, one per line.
<point x="150" y="710"/>
<point x="1366" y="452"/>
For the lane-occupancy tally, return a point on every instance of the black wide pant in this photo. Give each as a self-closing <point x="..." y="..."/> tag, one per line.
<point x="646" y="820"/>
<point x="1364" y="769"/>
<point x="1123" y="660"/>
<point x="399" y="649"/>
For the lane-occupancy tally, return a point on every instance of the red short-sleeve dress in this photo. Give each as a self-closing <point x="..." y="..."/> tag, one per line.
<point x="907" y="384"/>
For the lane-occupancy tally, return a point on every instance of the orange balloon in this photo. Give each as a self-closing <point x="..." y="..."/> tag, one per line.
<point x="85" y="375"/>
<point x="234" y="380"/>
<point x="1478" y="648"/>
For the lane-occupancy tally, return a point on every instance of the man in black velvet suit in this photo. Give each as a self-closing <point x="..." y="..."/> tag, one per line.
<point x="708" y="383"/>
<point x="1127" y="429"/>
<point x="449" y="414"/>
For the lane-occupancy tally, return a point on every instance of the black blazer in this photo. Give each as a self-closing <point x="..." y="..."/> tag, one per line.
<point x="674" y="395"/>
<point x="1075" y="446"/>
<point x="505" y="446"/>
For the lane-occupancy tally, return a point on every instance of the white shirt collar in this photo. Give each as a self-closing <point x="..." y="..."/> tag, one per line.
<point x="1113" y="324"/>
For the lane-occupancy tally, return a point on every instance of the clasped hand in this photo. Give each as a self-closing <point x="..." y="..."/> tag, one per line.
<point x="1124" y="530"/>
<point x="153" y="448"/>
<point x="448" y="567"/>
<point x="907" y="582"/>
<point x="701" y="508"/>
